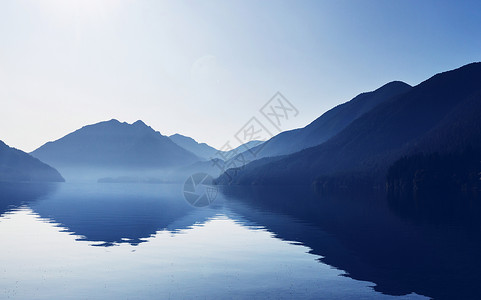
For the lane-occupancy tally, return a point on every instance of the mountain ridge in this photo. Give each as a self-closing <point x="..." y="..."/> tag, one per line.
<point x="370" y="143"/>
<point x="114" y="145"/>
<point x="328" y="124"/>
<point x="16" y="165"/>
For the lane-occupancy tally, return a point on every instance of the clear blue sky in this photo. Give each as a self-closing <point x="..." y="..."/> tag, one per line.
<point x="203" y="68"/>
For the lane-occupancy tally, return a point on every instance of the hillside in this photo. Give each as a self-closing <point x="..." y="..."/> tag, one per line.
<point x="328" y="124"/>
<point x="370" y="144"/>
<point x="16" y="165"/>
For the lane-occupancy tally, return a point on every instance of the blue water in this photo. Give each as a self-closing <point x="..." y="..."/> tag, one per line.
<point x="144" y="241"/>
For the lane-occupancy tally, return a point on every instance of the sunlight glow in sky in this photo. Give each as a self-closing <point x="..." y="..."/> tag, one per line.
<point x="204" y="68"/>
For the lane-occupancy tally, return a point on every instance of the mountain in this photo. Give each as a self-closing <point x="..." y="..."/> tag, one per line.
<point x="459" y="130"/>
<point x="244" y="147"/>
<point x="215" y="165"/>
<point x="447" y="160"/>
<point x="328" y="124"/>
<point x="207" y="152"/>
<point x="370" y="144"/>
<point x="200" y="149"/>
<point x="112" y="148"/>
<point x="16" y="165"/>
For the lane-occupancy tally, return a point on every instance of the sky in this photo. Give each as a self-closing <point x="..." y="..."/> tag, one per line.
<point x="205" y="68"/>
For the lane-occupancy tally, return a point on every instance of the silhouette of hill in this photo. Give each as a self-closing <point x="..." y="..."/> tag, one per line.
<point x="328" y="124"/>
<point x="215" y="163"/>
<point x="16" y="165"/>
<point x="207" y="152"/>
<point x="244" y="147"/>
<point x="113" y="146"/>
<point x="200" y="149"/>
<point x="371" y="143"/>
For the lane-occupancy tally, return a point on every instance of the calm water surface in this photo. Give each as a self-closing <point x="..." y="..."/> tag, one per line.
<point x="143" y="241"/>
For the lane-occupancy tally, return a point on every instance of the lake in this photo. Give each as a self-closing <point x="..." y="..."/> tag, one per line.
<point x="144" y="241"/>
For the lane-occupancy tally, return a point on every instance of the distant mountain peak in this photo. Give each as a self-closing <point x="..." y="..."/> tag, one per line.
<point x="113" y="145"/>
<point x="396" y="83"/>
<point x="328" y="124"/>
<point x="139" y="123"/>
<point x="200" y="149"/>
<point x="178" y="135"/>
<point x="388" y="87"/>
